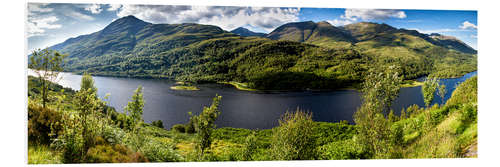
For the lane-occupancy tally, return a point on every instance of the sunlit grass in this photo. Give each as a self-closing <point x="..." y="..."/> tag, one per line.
<point x="42" y="154"/>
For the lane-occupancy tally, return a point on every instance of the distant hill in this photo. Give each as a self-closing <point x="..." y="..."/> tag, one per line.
<point x="321" y="33"/>
<point x="247" y="33"/>
<point x="302" y="55"/>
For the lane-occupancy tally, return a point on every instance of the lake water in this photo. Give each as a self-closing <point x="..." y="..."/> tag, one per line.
<point x="240" y="109"/>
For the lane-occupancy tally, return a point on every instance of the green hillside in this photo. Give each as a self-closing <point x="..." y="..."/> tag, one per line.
<point x="303" y="55"/>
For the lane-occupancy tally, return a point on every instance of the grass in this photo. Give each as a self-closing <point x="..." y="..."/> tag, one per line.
<point x="184" y="87"/>
<point x="42" y="154"/>
<point x="411" y="83"/>
<point x="239" y="86"/>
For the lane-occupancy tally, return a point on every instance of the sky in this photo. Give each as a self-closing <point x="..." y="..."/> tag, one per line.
<point x="50" y="24"/>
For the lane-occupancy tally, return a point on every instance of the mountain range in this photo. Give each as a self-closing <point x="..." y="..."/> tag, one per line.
<point x="295" y="55"/>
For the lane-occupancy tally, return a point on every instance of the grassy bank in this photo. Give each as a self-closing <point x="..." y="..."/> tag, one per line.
<point x="239" y="86"/>
<point x="184" y="87"/>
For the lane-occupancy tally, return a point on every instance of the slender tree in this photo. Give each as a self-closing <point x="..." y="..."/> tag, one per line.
<point x="429" y="89"/>
<point x="135" y="107"/>
<point x="205" y="123"/>
<point x="46" y="64"/>
<point x="442" y="92"/>
<point x="379" y="90"/>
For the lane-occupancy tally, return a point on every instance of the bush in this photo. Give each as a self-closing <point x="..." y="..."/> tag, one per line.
<point x="42" y="122"/>
<point x="294" y="138"/>
<point x="179" y="128"/>
<point x="345" y="149"/>
<point x="156" y="151"/>
<point x="113" y="154"/>
<point x="113" y="135"/>
<point x="158" y="123"/>
<point x="189" y="127"/>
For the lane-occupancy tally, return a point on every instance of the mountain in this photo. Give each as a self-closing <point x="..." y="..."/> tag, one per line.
<point x="452" y="43"/>
<point x="302" y="55"/>
<point x="387" y="43"/>
<point x="385" y="34"/>
<point x="321" y="33"/>
<point x="247" y="33"/>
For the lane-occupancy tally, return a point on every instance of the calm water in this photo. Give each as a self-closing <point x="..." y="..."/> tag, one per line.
<point x="240" y="109"/>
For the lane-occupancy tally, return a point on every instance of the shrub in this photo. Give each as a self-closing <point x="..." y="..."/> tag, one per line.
<point x="179" y="128"/>
<point x="42" y="122"/>
<point x="294" y="138"/>
<point x="249" y="147"/>
<point x="113" y="135"/>
<point x="190" y="128"/>
<point x="113" y="154"/>
<point x="158" y="123"/>
<point x="345" y="149"/>
<point x="156" y="151"/>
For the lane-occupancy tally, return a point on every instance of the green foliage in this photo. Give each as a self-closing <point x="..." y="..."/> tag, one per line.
<point x="205" y="123"/>
<point x="326" y="132"/>
<point x="135" y="107"/>
<point x="87" y="83"/>
<point x="344" y="149"/>
<point x="42" y="154"/>
<point x="442" y="92"/>
<point x="179" y="128"/>
<point x="158" y="123"/>
<point x="113" y="154"/>
<point x="294" y="138"/>
<point x="379" y="90"/>
<point x="429" y="89"/>
<point x="43" y="123"/>
<point x="249" y="147"/>
<point x="158" y="151"/>
<point x="464" y="93"/>
<point x="46" y="64"/>
<point x="190" y="126"/>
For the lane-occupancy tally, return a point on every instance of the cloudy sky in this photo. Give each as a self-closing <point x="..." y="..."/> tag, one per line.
<point x="49" y="24"/>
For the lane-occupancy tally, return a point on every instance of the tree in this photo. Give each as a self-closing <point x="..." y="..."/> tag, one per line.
<point x="87" y="83"/>
<point x="87" y="104"/>
<point x="442" y="92"/>
<point x="379" y="90"/>
<point x="135" y="107"/>
<point x="46" y="64"/>
<point x="205" y="123"/>
<point x="428" y="89"/>
<point x="294" y="138"/>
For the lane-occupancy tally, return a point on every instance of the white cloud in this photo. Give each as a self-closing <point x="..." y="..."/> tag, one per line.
<point x="373" y="14"/>
<point x="114" y="7"/>
<point x="39" y="19"/>
<point x="39" y="8"/>
<point x="354" y="15"/>
<point x="340" y="22"/>
<point x="78" y="15"/>
<point x="467" y="25"/>
<point x="94" y="8"/>
<point x="38" y="26"/>
<point x="227" y="18"/>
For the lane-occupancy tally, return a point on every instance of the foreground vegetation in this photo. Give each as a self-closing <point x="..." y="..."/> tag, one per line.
<point x="68" y="126"/>
<point x="435" y="132"/>
<point x="330" y="58"/>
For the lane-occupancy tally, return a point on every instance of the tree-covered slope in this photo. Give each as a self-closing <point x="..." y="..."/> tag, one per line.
<point x="417" y="53"/>
<point x="307" y="55"/>
<point x="321" y="33"/>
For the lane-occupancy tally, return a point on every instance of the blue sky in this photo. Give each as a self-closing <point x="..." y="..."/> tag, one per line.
<point x="49" y="24"/>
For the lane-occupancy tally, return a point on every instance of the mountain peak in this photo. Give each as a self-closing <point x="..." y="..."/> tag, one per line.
<point x="128" y="23"/>
<point x="246" y="32"/>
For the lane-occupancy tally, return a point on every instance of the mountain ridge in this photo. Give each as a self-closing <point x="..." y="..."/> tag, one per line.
<point x="310" y="55"/>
